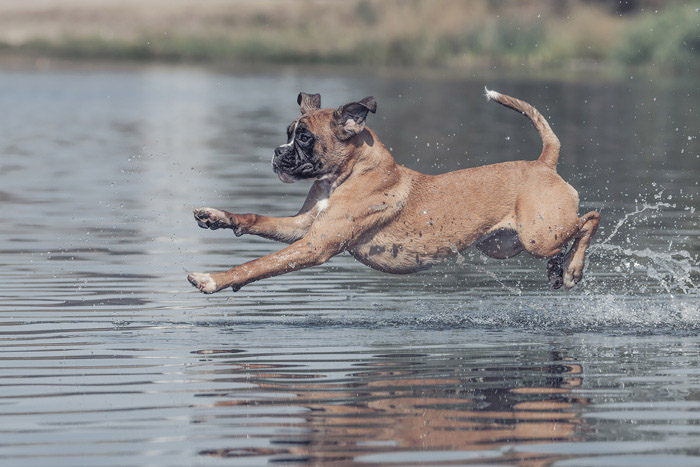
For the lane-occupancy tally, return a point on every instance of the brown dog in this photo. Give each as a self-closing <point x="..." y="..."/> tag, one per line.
<point x="398" y="220"/>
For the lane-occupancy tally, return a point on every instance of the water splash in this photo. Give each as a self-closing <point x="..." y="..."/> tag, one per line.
<point x="638" y="271"/>
<point x="631" y="289"/>
<point x="570" y="313"/>
<point x="674" y="271"/>
<point x="630" y="215"/>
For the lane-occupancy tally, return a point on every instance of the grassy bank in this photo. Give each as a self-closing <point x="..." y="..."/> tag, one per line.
<point x="422" y="33"/>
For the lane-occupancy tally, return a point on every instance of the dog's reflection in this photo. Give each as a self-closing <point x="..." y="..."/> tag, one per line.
<point x="400" y="405"/>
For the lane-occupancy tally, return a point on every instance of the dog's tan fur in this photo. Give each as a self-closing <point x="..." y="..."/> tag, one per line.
<point x="397" y="220"/>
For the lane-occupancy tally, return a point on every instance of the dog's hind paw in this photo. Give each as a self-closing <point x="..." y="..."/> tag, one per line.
<point x="555" y="271"/>
<point x="556" y="283"/>
<point x="204" y="282"/>
<point x="208" y="218"/>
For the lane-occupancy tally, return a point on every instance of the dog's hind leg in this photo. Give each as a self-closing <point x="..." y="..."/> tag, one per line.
<point x="574" y="260"/>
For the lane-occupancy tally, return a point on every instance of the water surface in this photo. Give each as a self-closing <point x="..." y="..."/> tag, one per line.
<point x="109" y="357"/>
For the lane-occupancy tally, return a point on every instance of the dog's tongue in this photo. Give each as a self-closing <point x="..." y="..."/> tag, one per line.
<point x="285" y="177"/>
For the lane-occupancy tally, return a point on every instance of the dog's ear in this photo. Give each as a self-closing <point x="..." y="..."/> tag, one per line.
<point x="350" y="118"/>
<point x="308" y="102"/>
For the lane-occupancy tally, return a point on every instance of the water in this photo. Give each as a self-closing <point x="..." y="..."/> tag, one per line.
<point x="109" y="357"/>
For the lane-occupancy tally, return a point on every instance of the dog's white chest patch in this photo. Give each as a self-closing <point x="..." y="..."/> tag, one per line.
<point x="321" y="205"/>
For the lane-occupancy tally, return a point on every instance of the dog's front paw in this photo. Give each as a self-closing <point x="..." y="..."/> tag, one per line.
<point x="208" y="218"/>
<point x="204" y="282"/>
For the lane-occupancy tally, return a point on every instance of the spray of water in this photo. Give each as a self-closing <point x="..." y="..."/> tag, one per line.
<point x="675" y="272"/>
<point x="630" y="215"/>
<point x="629" y="289"/>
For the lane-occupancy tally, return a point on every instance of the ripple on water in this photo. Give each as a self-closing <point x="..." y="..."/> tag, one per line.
<point x="108" y="357"/>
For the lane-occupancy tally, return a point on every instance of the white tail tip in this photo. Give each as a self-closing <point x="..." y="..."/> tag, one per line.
<point x="491" y="95"/>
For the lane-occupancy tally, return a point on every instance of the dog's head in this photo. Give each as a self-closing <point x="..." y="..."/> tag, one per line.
<point x="320" y="142"/>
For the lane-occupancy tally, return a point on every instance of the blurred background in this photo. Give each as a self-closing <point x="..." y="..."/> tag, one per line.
<point x="522" y="35"/>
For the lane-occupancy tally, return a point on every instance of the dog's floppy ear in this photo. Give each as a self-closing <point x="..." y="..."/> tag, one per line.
<point x="350" y="118"/>
<point x="308" y="102"/>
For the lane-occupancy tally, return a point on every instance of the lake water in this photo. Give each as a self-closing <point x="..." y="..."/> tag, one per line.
<point x="109" y="357"/>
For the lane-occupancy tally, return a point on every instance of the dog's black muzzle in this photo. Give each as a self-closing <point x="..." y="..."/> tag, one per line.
<point x="291" y="164"/>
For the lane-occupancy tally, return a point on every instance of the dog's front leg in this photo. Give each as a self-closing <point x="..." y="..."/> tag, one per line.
<point x="281" y="229"/>
<point x="345" y="220"/>
<point x="302" y="254"/>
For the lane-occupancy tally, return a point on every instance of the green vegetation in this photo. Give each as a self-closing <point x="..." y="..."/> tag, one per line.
<point x="418" y="33"/>
<point x="669" y="40"/>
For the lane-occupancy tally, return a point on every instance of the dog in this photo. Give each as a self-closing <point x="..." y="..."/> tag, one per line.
<point x="400" y="221"/>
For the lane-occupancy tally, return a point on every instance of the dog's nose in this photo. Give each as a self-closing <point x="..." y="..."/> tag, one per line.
<point x="278" y="154"/>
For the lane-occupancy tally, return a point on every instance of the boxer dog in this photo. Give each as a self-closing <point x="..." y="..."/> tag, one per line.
<point x="400" y="221"/>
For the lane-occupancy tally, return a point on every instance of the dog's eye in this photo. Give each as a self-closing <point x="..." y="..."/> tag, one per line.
<point x="304" y="138"/>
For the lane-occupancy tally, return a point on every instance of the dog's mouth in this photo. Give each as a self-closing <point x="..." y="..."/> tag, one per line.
<point x="285" y="177"/>
<point x="289" y="173"/>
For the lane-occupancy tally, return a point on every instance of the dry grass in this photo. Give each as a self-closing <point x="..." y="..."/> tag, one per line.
<point x="447" y="33"/>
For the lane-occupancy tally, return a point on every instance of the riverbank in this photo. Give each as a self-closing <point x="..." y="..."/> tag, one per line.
<point x="441" y="34"/>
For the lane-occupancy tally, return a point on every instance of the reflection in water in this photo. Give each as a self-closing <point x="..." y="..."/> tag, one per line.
<point x="400" y="402"/>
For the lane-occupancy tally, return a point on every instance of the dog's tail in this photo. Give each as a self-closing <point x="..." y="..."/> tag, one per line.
<point x="550" y="142"/>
